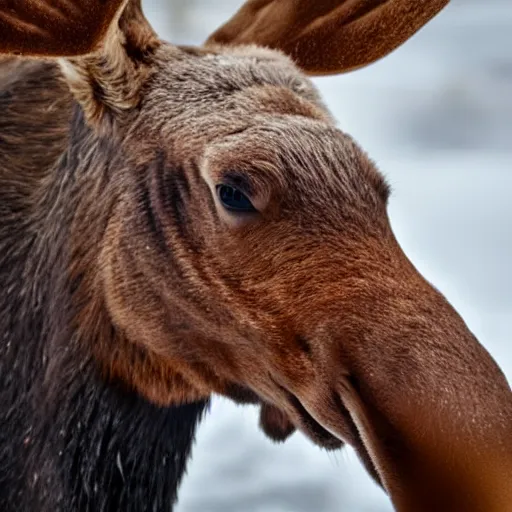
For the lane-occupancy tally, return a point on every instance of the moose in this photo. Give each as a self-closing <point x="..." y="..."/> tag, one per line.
<point x="178" y="222"/>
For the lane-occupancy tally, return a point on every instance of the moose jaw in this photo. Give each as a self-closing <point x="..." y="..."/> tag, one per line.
<point x="137" y="179"/>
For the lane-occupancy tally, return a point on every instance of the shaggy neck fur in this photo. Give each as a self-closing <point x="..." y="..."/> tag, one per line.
<point x="68" y="439"/>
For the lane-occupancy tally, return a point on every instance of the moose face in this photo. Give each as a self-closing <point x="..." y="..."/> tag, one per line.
<point x="255" y="248"/>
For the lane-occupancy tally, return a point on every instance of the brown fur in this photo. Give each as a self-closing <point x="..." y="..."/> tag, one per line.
<point x="308" y="306"/>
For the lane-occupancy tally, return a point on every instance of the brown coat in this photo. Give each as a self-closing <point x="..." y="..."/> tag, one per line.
<point x="132" y="291"/>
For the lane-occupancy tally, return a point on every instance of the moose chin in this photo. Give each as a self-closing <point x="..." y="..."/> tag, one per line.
<point x="179" y="222"/>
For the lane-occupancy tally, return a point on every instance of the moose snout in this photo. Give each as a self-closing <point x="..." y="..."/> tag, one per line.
<point x="426" y="407"/>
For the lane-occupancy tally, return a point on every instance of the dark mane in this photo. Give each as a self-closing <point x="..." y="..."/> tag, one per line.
<point x="79" y="442"/>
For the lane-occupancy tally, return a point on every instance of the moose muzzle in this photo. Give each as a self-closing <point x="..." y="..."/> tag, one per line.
<point x="405" y="382"/>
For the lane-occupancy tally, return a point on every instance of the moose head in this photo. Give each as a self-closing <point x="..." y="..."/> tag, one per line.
<point x="230" y="239"/>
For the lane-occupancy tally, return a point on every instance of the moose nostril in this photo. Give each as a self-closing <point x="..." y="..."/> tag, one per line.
<point x="304" y="344"/>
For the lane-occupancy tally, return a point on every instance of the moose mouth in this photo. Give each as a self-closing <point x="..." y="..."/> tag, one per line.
<point x="302" y="419"/>
<point x="311" y="428"/>
<point x="323" y="438"/>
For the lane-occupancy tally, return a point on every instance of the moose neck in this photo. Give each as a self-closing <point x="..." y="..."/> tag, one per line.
<point x="105" y="449"/>
<point x="122" y="452"/>
<point x="77" y="441"/>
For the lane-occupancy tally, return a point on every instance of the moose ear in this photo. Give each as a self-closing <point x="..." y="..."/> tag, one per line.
<point x="326" y="37"/>
<point x="101" y="46"/>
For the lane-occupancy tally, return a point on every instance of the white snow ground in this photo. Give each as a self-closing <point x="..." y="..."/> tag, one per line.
<point x="436" y="115"/>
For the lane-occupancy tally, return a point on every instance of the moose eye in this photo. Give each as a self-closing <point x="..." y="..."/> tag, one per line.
<point x="234" y="200"/>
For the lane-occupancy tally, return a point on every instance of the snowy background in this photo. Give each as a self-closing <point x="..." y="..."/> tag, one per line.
<point x="436" y="115"/>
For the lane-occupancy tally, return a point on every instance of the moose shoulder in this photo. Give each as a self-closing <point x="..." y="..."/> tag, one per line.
<point x="165" y="235"/>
